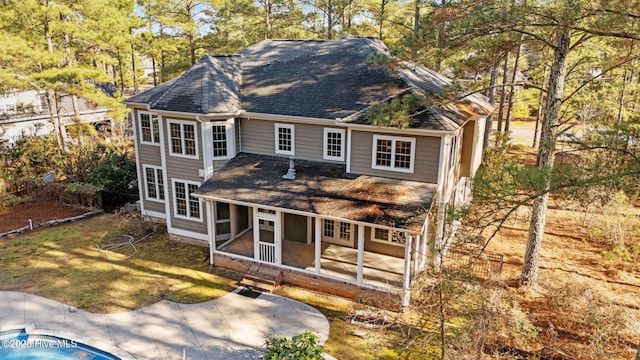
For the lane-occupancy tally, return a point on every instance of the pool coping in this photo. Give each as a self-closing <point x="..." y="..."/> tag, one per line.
<point x="31" y="329"/>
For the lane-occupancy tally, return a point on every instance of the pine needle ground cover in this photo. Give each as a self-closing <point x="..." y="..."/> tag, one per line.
<point x="65" y="264"/>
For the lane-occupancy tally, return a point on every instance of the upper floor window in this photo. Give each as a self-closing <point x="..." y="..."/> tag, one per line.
<point x="387" y="236"/>
<point x="185" y="205"/>
<point x="333" y="144"/>
<point x="154" y="183"/>
<point x="393" y="153"/>
<point x="220" y="141"/>
<point x="183" y="139"/>
<point x="285" y="139"/>
<point x="149" y="130"/>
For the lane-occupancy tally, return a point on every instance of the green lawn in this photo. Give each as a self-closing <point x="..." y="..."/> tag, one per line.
<point x="64" y="263"/>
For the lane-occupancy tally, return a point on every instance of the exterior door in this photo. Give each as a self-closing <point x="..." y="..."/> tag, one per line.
<point x="337" y="232"/>
<point x="266" y="237"/>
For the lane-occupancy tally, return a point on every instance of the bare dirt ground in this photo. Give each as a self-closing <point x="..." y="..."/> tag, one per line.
<point x="573" y="266"/>
<point x="37" y="211"/>
<point x="568" y="262"/>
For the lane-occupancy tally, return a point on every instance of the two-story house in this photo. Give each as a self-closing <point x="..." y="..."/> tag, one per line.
<point x="270" y="157"/>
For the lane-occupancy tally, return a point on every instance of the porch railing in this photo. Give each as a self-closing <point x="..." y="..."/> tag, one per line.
<point x="267" y="253"/>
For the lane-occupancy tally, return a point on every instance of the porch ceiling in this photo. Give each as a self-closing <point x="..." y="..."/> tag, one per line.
<point x="322" y="189"/>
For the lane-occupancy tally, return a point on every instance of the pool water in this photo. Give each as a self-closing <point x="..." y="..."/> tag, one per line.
<point x="43" y="347"/>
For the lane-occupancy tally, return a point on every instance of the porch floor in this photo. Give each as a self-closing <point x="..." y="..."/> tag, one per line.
<point x="336" y="261"/>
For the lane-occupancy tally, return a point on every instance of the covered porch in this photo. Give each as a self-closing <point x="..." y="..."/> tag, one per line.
<point x="365" y="231"/>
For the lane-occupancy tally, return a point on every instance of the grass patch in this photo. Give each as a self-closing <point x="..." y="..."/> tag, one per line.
<point x="342" y="344"/>
<point x="64" y="264"/>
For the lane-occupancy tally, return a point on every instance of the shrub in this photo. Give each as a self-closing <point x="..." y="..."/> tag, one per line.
<point x="300" y="347"/>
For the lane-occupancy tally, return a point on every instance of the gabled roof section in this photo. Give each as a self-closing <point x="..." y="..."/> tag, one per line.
<point x="212" y="85"/>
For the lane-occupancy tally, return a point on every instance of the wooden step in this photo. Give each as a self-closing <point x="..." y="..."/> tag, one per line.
<point x="262" y="278"/>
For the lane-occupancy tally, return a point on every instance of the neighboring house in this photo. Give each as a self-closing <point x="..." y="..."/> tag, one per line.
<point x="26" y="112"/>
<point x="268" y="157"/>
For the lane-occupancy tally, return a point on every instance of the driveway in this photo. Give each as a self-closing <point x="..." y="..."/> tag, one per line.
<point x="231" y="327"/>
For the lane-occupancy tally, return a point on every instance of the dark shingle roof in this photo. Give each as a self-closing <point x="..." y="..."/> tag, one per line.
<point x="212" y="85"/>
<point x="321" y="79"/>
<point x="322" y="189"/>
<point x="325" y="79"/>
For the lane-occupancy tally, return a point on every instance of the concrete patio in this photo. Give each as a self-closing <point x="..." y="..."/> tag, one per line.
<point x="232" y="327"/>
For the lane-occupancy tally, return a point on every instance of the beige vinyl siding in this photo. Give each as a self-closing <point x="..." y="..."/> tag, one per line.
<point x="426" y="158"/>
<point x="154" y="206"/>
<point x="147" y="155"/>
<point x="189" y="225"/>
<point x="258" y="137"/>
<point x="184" y="169"/>
<point x="295" y="228"/>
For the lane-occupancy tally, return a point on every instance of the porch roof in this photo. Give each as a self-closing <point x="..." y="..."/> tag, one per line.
<point x="321" y="189"/>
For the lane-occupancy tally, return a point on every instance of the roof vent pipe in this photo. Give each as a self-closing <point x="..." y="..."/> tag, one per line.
<point x="291" y="173"/>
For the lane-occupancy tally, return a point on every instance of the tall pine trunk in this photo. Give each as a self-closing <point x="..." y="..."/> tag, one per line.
<point x="546" y="155"/>
<point x="503" y="89"/>
<point x="512" y="91"/>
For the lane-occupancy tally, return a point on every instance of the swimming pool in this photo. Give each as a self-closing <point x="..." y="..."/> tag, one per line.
<point x="32" y="344"/>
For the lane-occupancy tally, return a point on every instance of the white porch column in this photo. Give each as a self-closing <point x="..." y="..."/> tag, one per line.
<point x="211" y="230"/>
<point x="318" y="244"/>
<point x="406" y="283"/>
<point x="424" y="238"/>
<point x="233" y="220"/>
<point x="360" y="277"/>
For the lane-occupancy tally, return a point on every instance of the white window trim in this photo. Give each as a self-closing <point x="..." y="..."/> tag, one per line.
<point x="175" y="200"/>
<point x="385" y="241"/>
<point x="325" y="146"/>
<point x="146" y="188"/>
<point x="151" y="115"/>
<point x="195" y="138"/>
<point x="393" y="153"/>
<point x="293" y="139"/>
<point x="229" y="134"/>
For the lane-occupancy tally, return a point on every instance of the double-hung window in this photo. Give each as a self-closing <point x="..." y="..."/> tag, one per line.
<point x="154" y="183"/>
<point x="285" y="139"/>
<point x="219" y="133"/>
<point x="333" y="148"/>
<point x="185" y="205"/>
<point x="387" y="236"/>
<point x="149" y="130"/>
<point x="393" y="153"/>
<point x="183" y="141"/>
